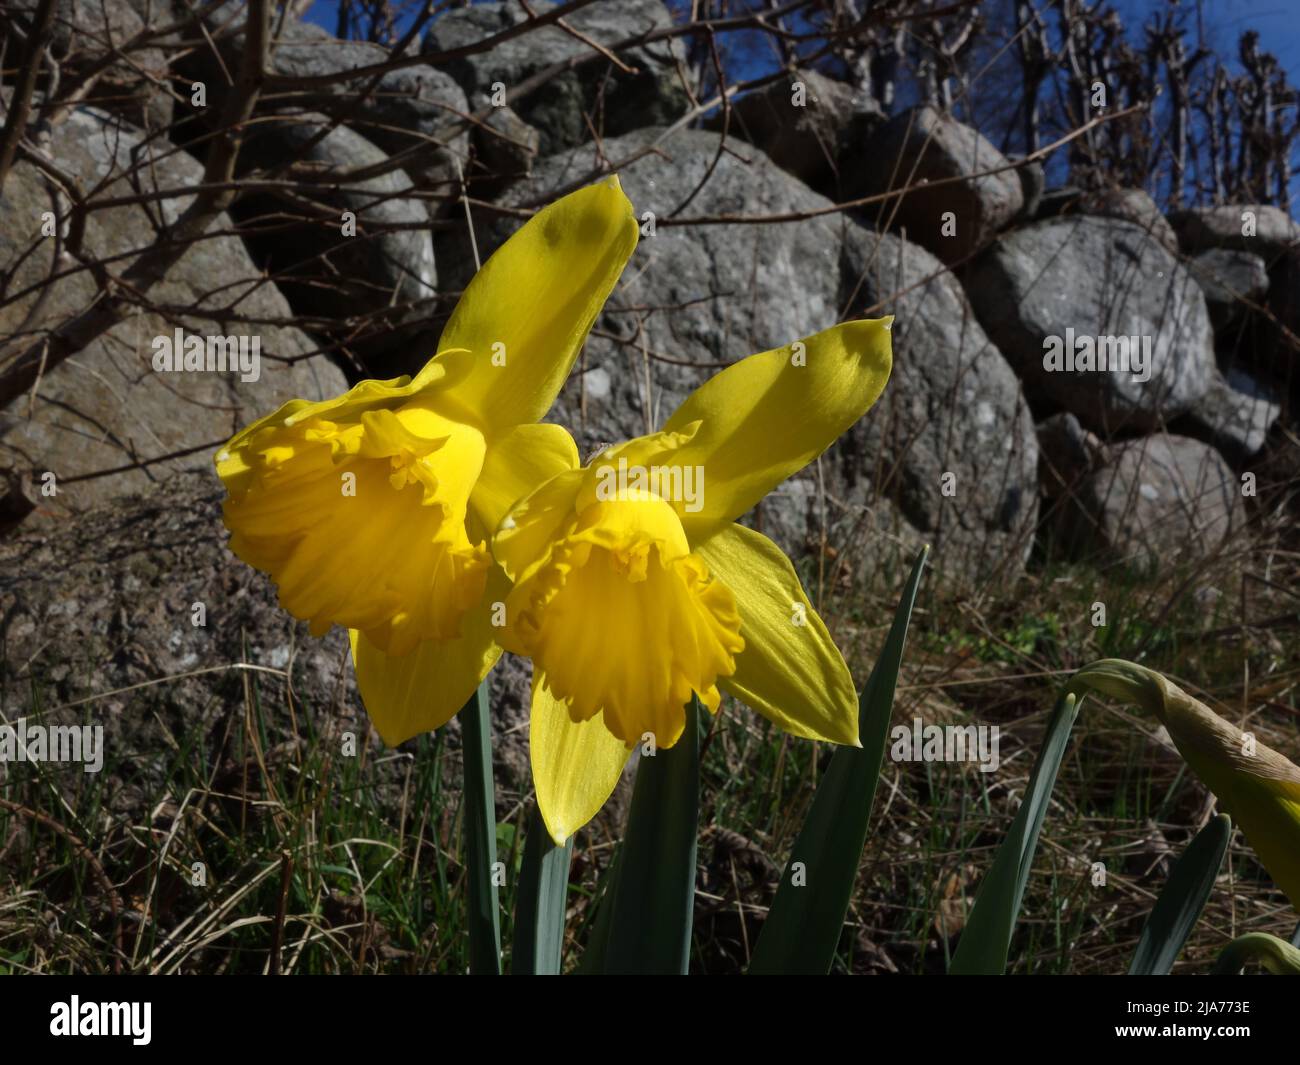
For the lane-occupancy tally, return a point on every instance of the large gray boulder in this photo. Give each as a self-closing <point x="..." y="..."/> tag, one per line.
<point x="339" y="267"/>
<point x="505" y="149"/>
<point x="1235" y="415"/>
<point x="389" y="149"/>
<point x="1067" y="452"/>
<point x="951" y="441"/>
<point x="594" y="96"/>
<point x="107" y="407"/>
<point x="132" y="84"/>
<point x="415" y="114"/>
<point x="1229" y="278"/>
<point x="809" y="125"/>
<point x="1132" y="205"/>
<point x="104" y="601"/>
<point x="1265" y="230"/>
<point x="924" y="146"/>
<point x="1153" y="501"/>
<point x="101" y="609"/>
<point x="1086" y="283"/>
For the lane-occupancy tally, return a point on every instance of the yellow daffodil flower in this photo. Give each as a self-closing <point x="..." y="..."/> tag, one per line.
<point x="634" y="587"/>
<point x="1256" y="785"/>
<point x="372" y="510"/>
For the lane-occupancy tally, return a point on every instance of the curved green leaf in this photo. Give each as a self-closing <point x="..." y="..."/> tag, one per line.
<point x="1182" y="900"/>
<point x="804" y="924"/>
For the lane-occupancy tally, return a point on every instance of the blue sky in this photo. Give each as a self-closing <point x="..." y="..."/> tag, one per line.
<point x="1278" y="23"/>
<point x="1277" y="20"/>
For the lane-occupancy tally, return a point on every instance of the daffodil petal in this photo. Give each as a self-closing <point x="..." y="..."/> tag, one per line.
<point x="766" y="417"/>
<point x="1268" y="812"/>
<point x="576" y="765"/>
<point x="527" y="312"/>
<point x="439" y="373"/>
<point x="525" y="537"/>
<point x="423" y="690"/>
<point x="790" y="671"/>
<point x="516" y="464"/>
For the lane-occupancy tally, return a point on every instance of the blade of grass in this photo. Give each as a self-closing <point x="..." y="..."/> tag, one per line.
<point x="1182" y="900"/>
<point x="653" y="895"/>
<point x="480" y="829"/>
<point x="986" y="938"/>
<point x="803" y="927"/>
<point x="539" y="909"/>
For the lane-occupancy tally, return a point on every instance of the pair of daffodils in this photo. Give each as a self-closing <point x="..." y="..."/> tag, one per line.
<point x="440" y="522"/>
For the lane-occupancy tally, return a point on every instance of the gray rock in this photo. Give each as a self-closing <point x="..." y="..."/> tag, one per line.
<point x="106" y="407"/>
<point x="1129" y="205"/>
<point x="324" y="270"/>
<point x="134" y="86"/>
<point x="104" y="601"/>
<point x="1227" y="277"/>
<point x="953" y="406"/>
<point x="1274" y="231"/>
<point x="1235" y="415"/>
<point x="811" y="134"/>
<point x="1033" y="186"/>
<point x="1067" y="452"/>
<point x="414" y="114"/>
<point x="868" y="545"/>
<point x="925" y="145"/>
<point x="156" y="13"/>
<point x="1132" y="205"/>
<point x="1082" y="278"/>
<point x="596" y="92"/>
<point x="505" y="148"/>
<point x="1157" y="500"/>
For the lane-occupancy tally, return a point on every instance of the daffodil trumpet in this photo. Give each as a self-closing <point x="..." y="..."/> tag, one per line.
<point x="632" y="594"/>
<point x="372" y="510"/>
<point x="1256" y="785"/>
